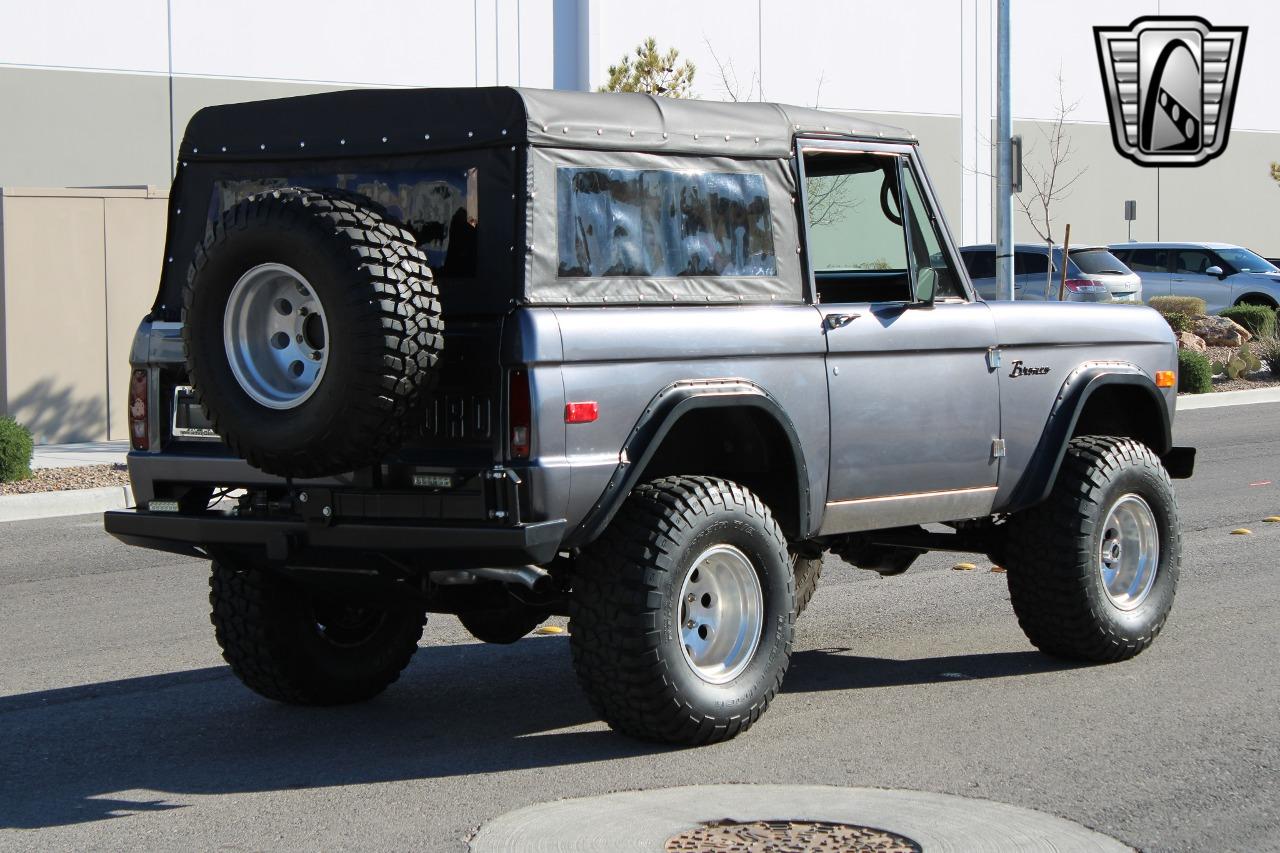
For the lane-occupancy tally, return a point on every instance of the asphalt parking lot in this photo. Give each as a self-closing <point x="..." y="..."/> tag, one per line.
<point x="120" y="726"/>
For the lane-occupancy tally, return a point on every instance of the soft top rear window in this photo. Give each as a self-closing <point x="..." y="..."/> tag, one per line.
<point x="440" y="206"/>
<point x="1098" y="262"/>
<point x="662" y="223"/>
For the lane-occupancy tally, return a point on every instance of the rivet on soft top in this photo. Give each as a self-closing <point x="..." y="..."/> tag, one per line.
<point x="469" y="135"/>
<point x="224" y="149"/>
<point x="504" y="131"/>
<point x="757" y="140"/>
<point x="195" y="150"/>
<point x="633" y="133"/>
<point x="342" y="142"/>
<point x="426" y="136"/>
<point x="302" y="144"/>
<point x="384" y="139"/>
<point x="564" y="129"/>
<point x="726" y="137"/>
<point x="664" y="134"/>
<point x="262" y="146"/>
<point x="599" y="131"/>
<point x="695" y="136"/>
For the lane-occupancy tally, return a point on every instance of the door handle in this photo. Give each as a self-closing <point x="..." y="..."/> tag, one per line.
<point x="835" y="321"/>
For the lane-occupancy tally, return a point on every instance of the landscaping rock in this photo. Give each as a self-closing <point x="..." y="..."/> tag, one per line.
<point x="1220" y="331"/>
<point x="1195" y="343"/>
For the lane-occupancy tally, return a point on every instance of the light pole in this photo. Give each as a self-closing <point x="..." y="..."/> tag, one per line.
<point x="1004" y="158"/>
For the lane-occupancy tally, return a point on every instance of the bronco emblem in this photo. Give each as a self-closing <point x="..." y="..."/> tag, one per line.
<point x="1019" y="370"/>
<point x="1170" y="86"/>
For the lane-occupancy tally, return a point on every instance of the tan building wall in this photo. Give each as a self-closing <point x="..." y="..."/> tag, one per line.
<point x="78" y="269"/>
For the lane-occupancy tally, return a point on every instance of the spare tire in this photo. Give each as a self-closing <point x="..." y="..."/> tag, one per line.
<point x="311" y="324"/>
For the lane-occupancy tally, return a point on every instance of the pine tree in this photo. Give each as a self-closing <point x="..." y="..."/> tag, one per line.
<point x="652" y="73"/>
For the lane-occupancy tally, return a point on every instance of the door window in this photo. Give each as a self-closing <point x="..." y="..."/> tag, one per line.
<point x="926" y="241"/>
<point x="1148" y="260"/>
<point x="1191" y="261"/>
<point x="980" y="263"/>
<point x="1030" y="263"/>
<point x="857" y="246"/>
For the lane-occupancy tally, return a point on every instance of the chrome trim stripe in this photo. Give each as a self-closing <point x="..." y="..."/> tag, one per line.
<point x="915" y="508"/>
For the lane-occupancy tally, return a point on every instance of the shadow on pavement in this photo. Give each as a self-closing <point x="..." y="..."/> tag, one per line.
<point x="73" y="755"/>
<point x="834" y="669"/>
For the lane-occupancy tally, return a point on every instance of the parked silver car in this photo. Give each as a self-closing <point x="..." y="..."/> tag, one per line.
<point x="1219" y="273"/>
<point x="1094" y="274"/>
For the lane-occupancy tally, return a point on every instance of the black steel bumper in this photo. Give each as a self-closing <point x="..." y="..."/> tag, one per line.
<point x="456" y="547"/>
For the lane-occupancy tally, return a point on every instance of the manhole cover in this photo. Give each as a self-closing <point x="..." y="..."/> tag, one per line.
<point x="790" y="836"/>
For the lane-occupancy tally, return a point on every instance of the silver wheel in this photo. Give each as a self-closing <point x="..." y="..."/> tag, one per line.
<point x="1129" y="552"/>
<point x="276" y="336"/>
<point x="721" y="610"/>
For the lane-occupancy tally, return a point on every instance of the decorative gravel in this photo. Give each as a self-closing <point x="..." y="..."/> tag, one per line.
<point x="1258" y="379"/>
<point x="64" y="479"/>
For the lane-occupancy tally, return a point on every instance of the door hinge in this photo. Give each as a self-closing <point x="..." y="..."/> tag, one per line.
<point x="993" y="358"/>
<point x="997" y="448"/>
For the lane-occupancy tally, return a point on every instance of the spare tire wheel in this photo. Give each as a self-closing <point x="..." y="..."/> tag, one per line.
<point x="311" y="323"/>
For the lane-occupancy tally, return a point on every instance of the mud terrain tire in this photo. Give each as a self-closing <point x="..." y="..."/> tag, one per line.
<point x="311" y="324"/>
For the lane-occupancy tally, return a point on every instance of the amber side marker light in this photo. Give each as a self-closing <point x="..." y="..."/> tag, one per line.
<point x="1166" y="379"/>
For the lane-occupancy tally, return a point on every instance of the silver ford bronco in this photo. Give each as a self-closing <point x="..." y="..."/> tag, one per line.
<point x="510" y="354"/>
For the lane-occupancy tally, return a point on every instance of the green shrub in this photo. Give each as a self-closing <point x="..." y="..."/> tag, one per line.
<point x="1177" y="321"/>
<point x="1268" y="349"/>
<point x="1189" y="305"/>
<point x="1195" y="372"/>
<point x="15" y="451"/>
<point x="1258" y="319"/>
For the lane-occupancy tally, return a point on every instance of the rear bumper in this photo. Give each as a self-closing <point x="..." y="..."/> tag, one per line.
<point x="456" y="547"/>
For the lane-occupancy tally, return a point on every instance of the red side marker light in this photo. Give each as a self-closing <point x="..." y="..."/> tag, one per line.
<point x="581" y="413"/>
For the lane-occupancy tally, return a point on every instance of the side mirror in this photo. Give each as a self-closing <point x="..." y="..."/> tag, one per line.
<point x="1214" y="270"/>
<point x="926" y="284"/>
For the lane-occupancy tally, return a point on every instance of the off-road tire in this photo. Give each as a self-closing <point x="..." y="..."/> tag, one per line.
<point x="502" y="626"/>
<point x="1052" y="554"/>
<point x="384" y="330"/>
<point x="267" y="628"/>
<point x="625" y="612"/>
<point x="806" y="570"/>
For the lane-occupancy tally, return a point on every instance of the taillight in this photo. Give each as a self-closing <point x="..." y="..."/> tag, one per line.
<point x="519" y="413"/>
<point x="1084" y="285"/>
<point x="138" y="402"/>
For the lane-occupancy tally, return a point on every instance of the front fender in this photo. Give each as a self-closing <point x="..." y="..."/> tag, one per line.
<point x="1038" y="477"/>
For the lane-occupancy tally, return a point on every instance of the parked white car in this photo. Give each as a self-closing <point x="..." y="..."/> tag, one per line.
<point x="1219" y="273"/>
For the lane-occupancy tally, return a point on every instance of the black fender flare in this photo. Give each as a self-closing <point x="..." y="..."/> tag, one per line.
<point x="1042" y="471"/>
<point x="659" y="416"/>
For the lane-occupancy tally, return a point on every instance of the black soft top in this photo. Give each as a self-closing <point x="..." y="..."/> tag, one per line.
<point x="366" y="122"/>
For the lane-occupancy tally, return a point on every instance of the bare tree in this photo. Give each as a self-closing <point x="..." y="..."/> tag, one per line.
<point x="730" y="83"/>
<point x="1051" y="178"/>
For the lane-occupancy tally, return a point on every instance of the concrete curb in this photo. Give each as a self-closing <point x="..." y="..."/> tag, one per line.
<point x="637" y="821"/>
<point x="1191" y="402"/>
<point x="70" y="502"/>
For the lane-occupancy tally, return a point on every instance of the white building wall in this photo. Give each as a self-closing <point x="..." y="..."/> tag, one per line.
<point x="86" y="95"/>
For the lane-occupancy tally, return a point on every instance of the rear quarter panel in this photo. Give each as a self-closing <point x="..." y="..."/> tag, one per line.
<point x="622" y="357"/>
